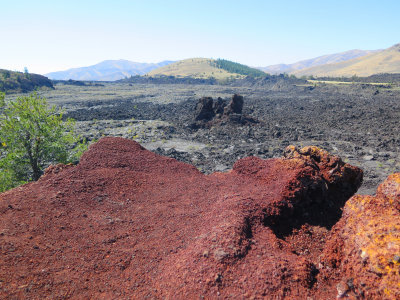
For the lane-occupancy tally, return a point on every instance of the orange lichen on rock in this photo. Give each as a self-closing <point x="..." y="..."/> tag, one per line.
<point x="390" y="190"/>
<point x="331" y="166"/>
<point x="369" y="232"/>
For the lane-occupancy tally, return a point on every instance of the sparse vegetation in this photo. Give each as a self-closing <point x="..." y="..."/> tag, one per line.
<point x="163" y="79"/>
<point x="335" y="117"/>
<point x="12" y="82"/>
<point x="207" y="68"/>
<point x="378" y="79"/>
<point x="315" y="81"/>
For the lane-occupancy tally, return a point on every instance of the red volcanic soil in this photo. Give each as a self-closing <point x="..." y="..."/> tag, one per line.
<point x="364" y="246"/>
<point x="129" y="224"/>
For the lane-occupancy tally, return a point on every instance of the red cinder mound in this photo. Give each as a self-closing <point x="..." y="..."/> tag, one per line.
<point x="127" y="223"/>
<point x="362" y="257"/>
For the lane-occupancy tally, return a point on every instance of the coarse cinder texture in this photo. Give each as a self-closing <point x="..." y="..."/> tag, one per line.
<point x="364" y="247"/>
<point x="128" y="223"/>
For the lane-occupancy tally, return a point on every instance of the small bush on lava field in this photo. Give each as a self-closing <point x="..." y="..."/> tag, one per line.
<point x="33" y="135"/>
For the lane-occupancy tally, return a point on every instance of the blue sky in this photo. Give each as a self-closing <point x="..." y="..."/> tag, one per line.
<point x="47" y="36"/>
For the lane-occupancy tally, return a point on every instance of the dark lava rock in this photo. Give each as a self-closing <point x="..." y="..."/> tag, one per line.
<point x="214" y="113"/>
<point x="235" y="106"/>
<point x="218" y="106"/>
<point x="205" y="109"/>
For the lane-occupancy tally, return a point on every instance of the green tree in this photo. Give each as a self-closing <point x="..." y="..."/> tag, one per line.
<point x="6" y="74"/>
<point x="2" y="102"/>
<point x="26" y="73"/>
<point x="33" y="135"/>
<point x="233" y="67"/>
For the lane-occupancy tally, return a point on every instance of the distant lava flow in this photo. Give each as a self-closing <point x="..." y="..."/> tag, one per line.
<point x="127" y="223"/>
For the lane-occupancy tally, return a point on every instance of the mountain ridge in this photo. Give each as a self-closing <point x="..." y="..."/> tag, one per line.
<point x="316" y="61"/>
<point x="107" y="70"/>
<point x="384" y="61"/>
<point x="352" y="62"/>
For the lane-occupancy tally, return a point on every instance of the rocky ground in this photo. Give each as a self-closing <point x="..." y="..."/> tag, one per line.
<point x="358" y="122"/>
<point x="126" y="223"/>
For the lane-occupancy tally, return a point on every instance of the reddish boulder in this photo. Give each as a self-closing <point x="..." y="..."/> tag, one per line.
<point x="127" y="223"/>
<point x="362" y="256"/>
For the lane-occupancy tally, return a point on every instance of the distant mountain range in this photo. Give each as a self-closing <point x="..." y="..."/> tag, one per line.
<point x="108" y="70"/>
<point x="317" y="61"/>
<point x="349" y="63"/>
<point x="383" y="61"/>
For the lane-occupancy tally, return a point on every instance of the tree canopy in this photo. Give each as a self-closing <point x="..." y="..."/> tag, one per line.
<point x="33" y="135"/>
<point x="237" y="68"/>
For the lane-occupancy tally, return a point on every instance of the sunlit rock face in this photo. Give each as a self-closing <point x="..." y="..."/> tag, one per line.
<point x="364" y="247"/>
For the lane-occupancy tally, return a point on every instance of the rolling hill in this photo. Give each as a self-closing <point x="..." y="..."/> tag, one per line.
<point x="206" y="68"/>
<point x="384" y="61"/>
<point x="317" y="61"/>
<point x="108" y="70"/>
<point x="16" y="82"/>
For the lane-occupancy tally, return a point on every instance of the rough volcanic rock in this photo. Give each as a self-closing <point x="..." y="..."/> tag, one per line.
<point x="204" y="109"/>
<point x="362" y="256"/>
<point x="210" y="113"/>
<point x="219" y="106"/>
<point x="235" y="106"/>
<point x="128" y="223"/>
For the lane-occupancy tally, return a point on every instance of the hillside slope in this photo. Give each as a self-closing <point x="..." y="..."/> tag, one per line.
<point x="206" y="68"/>
<point x="108" y="70"/>
<point x="16" y="82"/>
<point x="385" y="61"/>
<point x="317" y="61"/>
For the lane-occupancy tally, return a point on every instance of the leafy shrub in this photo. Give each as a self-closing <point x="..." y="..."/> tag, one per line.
<point x="33" y="135"/>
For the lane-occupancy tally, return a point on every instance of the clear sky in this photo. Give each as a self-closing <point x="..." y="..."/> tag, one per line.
<point x="54" y="35"/>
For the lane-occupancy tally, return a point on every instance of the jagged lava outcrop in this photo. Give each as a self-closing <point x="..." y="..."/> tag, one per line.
<point x="129" y="224"/>
<point x="210" y="113"/>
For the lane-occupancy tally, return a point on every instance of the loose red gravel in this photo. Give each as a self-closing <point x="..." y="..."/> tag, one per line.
<point x="126" y="223"/>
